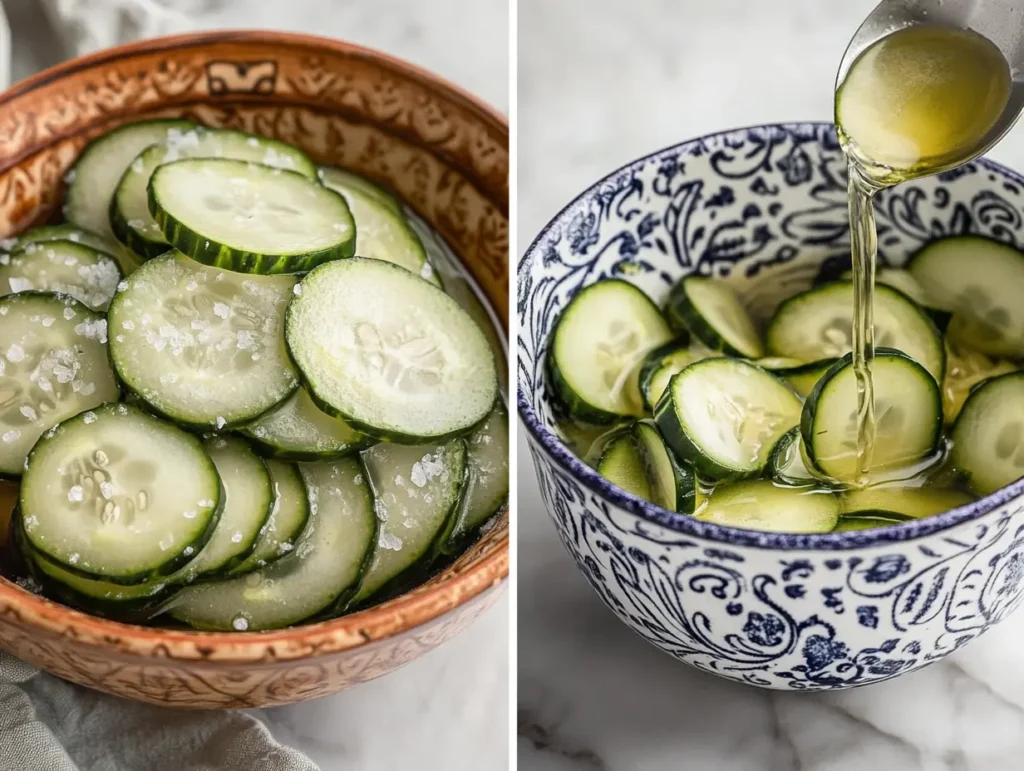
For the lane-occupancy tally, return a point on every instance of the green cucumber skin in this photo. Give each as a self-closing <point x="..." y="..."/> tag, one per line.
<point x="143" y="248"/>
<point x="652" y="363"/>
<point x="129" y="610"/>
<point x="175" y="563"/>
<point x="375" y="433"/>
<point x="433" y="555"/>
<point x="574" y="406"/>
<point x="679" y="443"/>
<point x="811" y="404"/>
<point x="679" y="309"/>
<point x="683" y="477"/>
<point x="677" y="440"/>
<point x="208" y="252"/>
<point x="267" y="450"/>
<point x="195" y="428"/>
<point x="292" y="537"/>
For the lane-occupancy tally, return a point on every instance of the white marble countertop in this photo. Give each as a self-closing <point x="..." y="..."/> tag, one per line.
<point x="602" y="82"/>
<point x="450" y="708"/>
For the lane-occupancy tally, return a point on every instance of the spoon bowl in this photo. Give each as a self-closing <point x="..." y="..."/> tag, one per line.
<point x="999" y="21"/>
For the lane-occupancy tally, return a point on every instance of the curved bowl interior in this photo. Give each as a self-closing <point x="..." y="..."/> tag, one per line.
<point x="441" y="150"/>
<point x="765" y="209"/>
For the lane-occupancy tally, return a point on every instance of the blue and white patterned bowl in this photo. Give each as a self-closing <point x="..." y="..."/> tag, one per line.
<point x="765" y="208"/>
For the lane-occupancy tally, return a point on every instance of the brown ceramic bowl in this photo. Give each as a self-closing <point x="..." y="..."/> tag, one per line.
<point x="445" y="152"/>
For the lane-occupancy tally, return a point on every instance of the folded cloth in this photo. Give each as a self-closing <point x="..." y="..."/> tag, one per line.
<point x="47" y="724"/>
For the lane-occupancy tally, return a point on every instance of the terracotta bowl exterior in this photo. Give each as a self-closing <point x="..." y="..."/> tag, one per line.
<point x="443" y="151"/>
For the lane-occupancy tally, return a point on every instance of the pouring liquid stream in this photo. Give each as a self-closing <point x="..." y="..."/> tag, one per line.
<point x="918" y="101"/>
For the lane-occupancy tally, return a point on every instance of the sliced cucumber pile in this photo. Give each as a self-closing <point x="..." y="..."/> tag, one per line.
<point x="53" y="365"/>
<point x="416" y="491"/>
<point x="724" y="416"/>
<point x="383" y="232"/>
<point x="208" y="278"/>
<point x="908" y="416"/>
<point x="714" y="315"/>
<point x="982" y="281"/>
<point x="320" y="575"/>
<point x="130" y="216"/>
<point x="741" y="430"/>
<point x="599" y="342"/>
<point x="202" y="346"/>
<point x="988" y="436"/>
<point x="63" y="267"/>
<point x="389" y="353"/>
<point x="249" y="217"/>
<point x="817" y="325"/>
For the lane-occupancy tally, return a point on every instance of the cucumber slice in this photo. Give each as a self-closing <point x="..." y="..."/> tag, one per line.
<point x="53" y="364"/>
<point x="988" y="436"/>
<point x="486" y="490"/>
<point x="130" y="218"/>
<point x="347" y="181"/>
<point x="710" y="309"/>
<point x="965" y="368"/>
<point x="800" y="376"/>
<point x="672" y="485"/>
<point x="64" y="267"/>
<point x="126" y="259"/>
<point x="621" y="464"/>
<point x="867" y="521"/>
<point x="318" y="576"/>
<point x="289" y="513"/>
<point x="905" y="502"/>
<point x="908" y="416"/>
<point x="724" y="417"/>
<point x="786" y="464"/>
<point x="904" y="281"/>
<point x="96" y="173"/>
<point x="119" y="495"/>
<point x="201" y="345"/>
<point x="100" y="598"/>
<point x="598" y="344"/>
<point x="982" y="280"/>
<point x="761" y="505"/>
<point x="299" y="430"/>
<point x="661" y="364"/>
<point x="389" y="353"/>
<point x="816" y="324"/>
<point x="416" y="493"/>
<point x="248" y="217"/>
<point x="382" y="232"/>
<point x="247" y="501"/>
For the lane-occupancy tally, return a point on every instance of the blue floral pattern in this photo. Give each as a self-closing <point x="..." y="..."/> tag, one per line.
<point x="765" y="208"/>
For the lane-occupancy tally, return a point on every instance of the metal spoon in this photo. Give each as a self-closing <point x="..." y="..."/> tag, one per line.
<point x="1001" y="21"/>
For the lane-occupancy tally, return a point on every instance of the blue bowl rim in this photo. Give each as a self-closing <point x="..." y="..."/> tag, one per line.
<point x="685" y="524"/>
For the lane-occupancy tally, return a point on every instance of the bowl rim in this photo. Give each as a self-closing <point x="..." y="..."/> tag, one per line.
<point x="394" y="617"/>
<point x="557" y="451"/>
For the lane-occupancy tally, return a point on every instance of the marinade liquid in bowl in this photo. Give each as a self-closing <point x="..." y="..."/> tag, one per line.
<point x="863" y="401"/>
